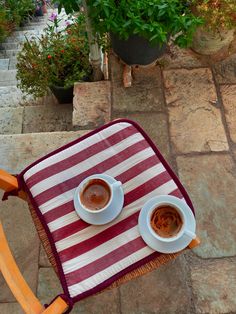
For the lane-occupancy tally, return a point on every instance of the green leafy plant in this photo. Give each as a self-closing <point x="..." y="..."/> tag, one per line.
<point x="217" y="14"/>
<point x="70" y="6"/>
<point x="12" y="14"/>
<point x="155" y="20"/>
<point x="59" y="58"/>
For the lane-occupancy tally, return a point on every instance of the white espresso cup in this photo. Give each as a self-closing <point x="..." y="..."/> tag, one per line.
<point x="113" y="187"/>
<point x="187" y="230"/>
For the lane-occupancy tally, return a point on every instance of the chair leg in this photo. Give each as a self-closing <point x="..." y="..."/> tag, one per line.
<point x="18" y="285"/>
<point x="15" y="280"/>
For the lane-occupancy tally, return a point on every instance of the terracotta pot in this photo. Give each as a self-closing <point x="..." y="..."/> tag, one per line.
<point x="208" y="43"/>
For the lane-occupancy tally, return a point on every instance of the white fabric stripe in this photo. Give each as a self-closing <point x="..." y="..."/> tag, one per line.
<point x="128" y="186"/>
<point x="71" y="172"/>
<point x="76" y="148"/>
<point x="114" y="171"/>
<point x="101" y="250"/>
<point x="110" y="271"/>
<point x="127" y="211"/>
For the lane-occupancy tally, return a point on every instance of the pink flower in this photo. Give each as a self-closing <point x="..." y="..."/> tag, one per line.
<point x="67" y="23"/>
<point x="53" y="17"/>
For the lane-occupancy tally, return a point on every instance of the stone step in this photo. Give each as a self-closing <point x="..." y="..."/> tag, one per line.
<point x="9" y="46"/>
<point x="4" y="64"/>
<point x="91" y="104"/>
<point x="24" y="33"/>
<point x="11" y="53"/>
<point x="11" y="96"/>
<point x="47" y="118"/>
<point x="12" y="63"/>
<point x="19" y="150"/>
<point x="7" y="76"/>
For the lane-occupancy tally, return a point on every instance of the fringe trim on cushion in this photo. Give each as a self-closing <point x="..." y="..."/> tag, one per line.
<point x="43" y="236"/>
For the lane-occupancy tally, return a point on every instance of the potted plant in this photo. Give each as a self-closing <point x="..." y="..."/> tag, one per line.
<point x="140" y="29"/>
<point x="38" y="8"/>
<point x="219" y="25"/>
<point x="55" y="61"/>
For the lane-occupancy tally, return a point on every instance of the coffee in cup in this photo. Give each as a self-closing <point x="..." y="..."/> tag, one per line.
<point x="96" y="194"/>
<point x="166" y="221"/>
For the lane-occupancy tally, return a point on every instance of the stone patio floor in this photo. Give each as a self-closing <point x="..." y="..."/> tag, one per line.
<point x="187" y="105"/>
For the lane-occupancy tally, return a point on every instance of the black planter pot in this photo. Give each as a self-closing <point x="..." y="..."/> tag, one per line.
<point x="39" y="11"/>
<point x="136" y="50"/>
<point x="63" y="95"/>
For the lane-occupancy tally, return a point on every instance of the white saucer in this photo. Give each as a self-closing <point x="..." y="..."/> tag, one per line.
<point x="150" y="240"/>
<point x="104" y="217"/>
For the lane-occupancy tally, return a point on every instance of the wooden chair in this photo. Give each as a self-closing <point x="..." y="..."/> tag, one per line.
<point x="10" y="271"/>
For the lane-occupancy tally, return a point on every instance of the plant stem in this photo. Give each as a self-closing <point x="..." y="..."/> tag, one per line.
<point x="95" y="53"/>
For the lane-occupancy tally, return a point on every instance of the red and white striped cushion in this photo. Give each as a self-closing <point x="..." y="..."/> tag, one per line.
<point x="93" y="255"/>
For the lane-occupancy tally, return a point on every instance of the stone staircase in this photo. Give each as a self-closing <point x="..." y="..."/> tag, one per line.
<point x="21" y="113"/>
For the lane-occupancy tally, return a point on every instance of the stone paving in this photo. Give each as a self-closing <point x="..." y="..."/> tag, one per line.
<point x="186" y="104"/>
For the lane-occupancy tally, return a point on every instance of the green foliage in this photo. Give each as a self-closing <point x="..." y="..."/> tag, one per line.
<point x="217" y="14"/>
<point x="59" y="57"/>
<point x="4" y="24"/>
<point x="12" y="13"/>
<point x="70" y="6"/>
<point x="156" y="20"/>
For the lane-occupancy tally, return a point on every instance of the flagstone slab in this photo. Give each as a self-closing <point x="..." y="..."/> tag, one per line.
<point x="49" y="287"/>
<point x="181" y="58"/>
<point x="194" y="116"/>
<point x="155" y="125"/>
<point x="43" y="259"/>
<point x="214" y="286"/>
<point x="228" y="93"/>
<point x="210" y="181"/>
<point x="13" y="308"/>
<point x="145" y="94"/>
<point x="91" y="104"/>
<point x="11" y="120"/>
<point x="23" y="241"/>
<point x="226" y="70"/>
<point x="47" y="118"/>
<point x="162" y="291"/>
<point x="19" y="150"/>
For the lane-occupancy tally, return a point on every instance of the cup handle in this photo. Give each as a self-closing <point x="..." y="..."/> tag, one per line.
<point x="195" y="240"/>
<point x="116" y="184"/>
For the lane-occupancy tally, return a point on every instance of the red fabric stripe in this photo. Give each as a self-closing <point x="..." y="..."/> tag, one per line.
<point x="146" y="187"/>
<point x="90" y="243"/>
<point x="59" y="211"/>
<point x="80" y="156"/>
<point x="138" y="168"/>
<point x="105" y="261"/>
<point x="123" y="177"/>
<point x="99" y="238"/>
<point x="98" y="168"/>
<point x="69" y="230"/>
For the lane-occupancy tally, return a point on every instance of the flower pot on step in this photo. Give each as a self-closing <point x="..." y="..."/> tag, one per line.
<point x="136" y="50"/>
<point x="62" y="94"/>
<point x="208" y="43"/>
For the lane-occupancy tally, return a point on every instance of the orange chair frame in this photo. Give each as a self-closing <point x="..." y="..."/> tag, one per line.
<point x="10" y="271"/>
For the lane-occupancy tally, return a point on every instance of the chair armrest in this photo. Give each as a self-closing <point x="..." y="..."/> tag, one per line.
<point x="15" y="280"/>
<point x="7" y="181"/>
<point x="19" y="287"/>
